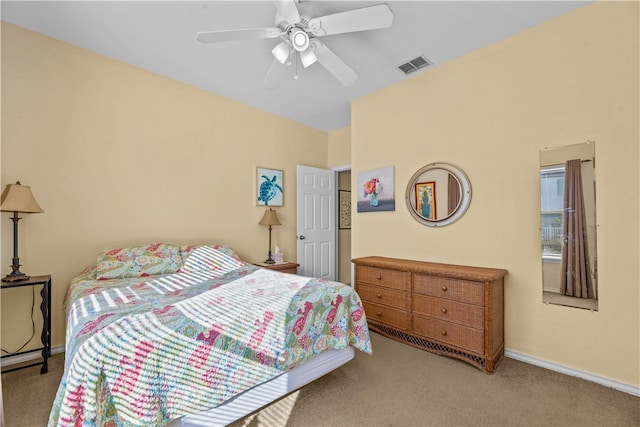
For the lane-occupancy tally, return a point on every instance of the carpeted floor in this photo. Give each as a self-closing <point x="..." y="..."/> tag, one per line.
<point x="397" y="386"/>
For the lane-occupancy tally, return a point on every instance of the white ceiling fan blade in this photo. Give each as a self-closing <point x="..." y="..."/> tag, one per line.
<point x="367" y="18"/>
<point x="240" y="34"/>
<point x="287" y="11"/>
<point x="334" y="64"/>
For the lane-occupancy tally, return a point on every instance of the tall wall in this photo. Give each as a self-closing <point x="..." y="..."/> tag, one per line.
<point x="569" y="80"/>
<point x="116" y="156"/>
<point x="339" y="147"/>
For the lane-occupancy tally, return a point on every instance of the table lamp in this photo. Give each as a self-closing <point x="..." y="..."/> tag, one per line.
<point x="17" y="198"/>
<point x="270" y="218"/>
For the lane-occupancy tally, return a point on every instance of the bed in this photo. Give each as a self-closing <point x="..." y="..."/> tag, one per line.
<point x="194" y="336"/>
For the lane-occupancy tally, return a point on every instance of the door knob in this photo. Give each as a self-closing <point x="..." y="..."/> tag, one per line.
<point x="302" y="237"/>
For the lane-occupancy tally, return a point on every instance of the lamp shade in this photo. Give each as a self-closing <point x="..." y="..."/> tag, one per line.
<point x="269" y="218"/>
<point x="307" y="58"/>
<point x="18" y="198"/>
<point x="281" y="52"/>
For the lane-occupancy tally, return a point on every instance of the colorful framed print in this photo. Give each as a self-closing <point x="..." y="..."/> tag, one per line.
<point x="375" y="190"/>
<point x="270" y="187"/>
<point x="345" y="210"/>
<point x="425" y="193"/>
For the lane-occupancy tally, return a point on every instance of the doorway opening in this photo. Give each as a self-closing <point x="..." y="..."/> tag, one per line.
<point x="344" y="227"/>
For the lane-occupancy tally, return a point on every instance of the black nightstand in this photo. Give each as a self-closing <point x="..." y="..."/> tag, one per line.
<point x="45" y="308"/>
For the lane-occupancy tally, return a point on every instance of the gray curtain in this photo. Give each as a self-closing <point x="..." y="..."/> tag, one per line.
<point x="575" y="270"/>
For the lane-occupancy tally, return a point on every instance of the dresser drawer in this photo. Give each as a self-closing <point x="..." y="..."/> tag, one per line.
<point x="450" y="311"/>
<point x="452" y="289"/>
<point x="463" y="337"/>
<point x="382" y="277"/>
<point x="390" y="316"/>
<point x="385" y="296"/>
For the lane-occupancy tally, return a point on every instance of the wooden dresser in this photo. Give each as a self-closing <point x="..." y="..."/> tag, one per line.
<point x="450" y="310"/>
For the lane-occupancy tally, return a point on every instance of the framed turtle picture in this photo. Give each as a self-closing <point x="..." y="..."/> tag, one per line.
<point x="270" y="187"/>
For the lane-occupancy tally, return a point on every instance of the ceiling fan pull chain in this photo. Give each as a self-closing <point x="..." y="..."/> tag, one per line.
<point x="296" y="59"/>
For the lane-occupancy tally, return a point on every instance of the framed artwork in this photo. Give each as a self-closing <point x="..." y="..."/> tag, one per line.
<point x="270" y="187"/>
<point x="345" y="210"/>
<point x="425" y="193"/>
<point x="375" y="190"/>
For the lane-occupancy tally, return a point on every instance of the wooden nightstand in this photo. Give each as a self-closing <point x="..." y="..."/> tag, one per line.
<point x="285" y="267"/>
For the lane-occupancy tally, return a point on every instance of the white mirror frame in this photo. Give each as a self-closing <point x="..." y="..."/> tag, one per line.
<point x="465" y="191"/>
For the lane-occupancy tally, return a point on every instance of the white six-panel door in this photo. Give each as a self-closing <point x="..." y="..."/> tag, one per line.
<point x="316" y="222"/>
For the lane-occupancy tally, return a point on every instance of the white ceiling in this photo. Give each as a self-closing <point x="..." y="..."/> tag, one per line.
<point x="159" y="36"/>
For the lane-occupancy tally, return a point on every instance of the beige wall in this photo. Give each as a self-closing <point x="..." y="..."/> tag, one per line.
<point x="339" y="154"/>
<point x="116" y="155"/>
<point x="339" y="147"/>
<point x="570" y="80"/>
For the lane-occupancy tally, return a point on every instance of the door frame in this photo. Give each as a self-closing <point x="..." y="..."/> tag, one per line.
<point x="338" y="169"/>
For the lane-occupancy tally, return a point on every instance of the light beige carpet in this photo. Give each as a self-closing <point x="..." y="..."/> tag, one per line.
<point x="397" y="386"/>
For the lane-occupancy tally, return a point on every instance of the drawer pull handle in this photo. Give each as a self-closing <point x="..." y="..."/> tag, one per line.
<point x="444" y="289"/>
<point x="443" y="309"/>
<point x="443" y="332"/>
<point x="379" y="277"/>
<point x="379" y="295"/>
<point x="379" y="314"/>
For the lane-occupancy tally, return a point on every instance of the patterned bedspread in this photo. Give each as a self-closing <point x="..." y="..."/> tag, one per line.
<point x="143" y="351"/>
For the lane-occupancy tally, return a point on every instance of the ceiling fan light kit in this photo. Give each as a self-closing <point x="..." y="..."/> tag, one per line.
<point x="281" y="52"/>
<point x="301" y="34"/>
<point x="299" y="39"/>
<point x="307" y="58"/>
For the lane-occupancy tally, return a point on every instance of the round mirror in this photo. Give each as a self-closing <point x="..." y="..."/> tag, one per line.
<point x="438" y="194"/>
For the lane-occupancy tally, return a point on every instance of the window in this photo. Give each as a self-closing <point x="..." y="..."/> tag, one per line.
<point x="551" y="193"/>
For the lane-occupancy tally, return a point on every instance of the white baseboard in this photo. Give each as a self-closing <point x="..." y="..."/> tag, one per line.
<point x="12" y="360"/>
<point x="20" y="358"/>
<point x="572" y="372"/>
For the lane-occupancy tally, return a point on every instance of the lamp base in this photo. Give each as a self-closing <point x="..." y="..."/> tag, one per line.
<point x="15" y="277"/>
<point x="269" y="261"/>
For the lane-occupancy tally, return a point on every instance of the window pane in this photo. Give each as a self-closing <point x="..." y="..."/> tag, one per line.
<point x="551" y="189"/>
<point x="551" y="193"/>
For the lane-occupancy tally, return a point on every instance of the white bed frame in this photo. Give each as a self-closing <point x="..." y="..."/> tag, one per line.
<point x="267" y="392"/>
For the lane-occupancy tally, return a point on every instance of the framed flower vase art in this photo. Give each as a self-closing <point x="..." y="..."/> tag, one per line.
<point x="270" y="187"/>
<point x="375" y="190"/>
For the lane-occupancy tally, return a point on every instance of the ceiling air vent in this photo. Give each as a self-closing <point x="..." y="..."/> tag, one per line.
<point x="415" y="64"/>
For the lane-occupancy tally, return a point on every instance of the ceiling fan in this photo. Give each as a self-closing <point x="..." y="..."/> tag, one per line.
<point x="299" y="35"/>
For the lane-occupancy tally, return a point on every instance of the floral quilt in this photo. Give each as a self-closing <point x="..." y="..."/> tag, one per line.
<point x="146" y="350"/>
